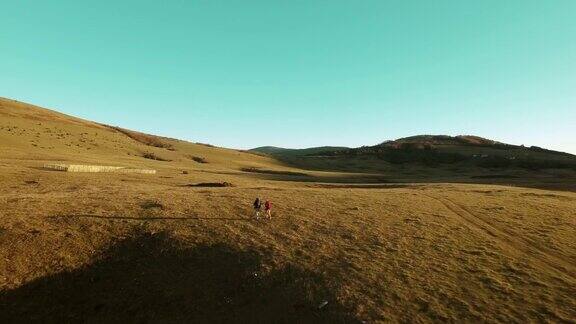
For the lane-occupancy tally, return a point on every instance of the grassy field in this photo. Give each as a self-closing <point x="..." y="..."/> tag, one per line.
<point x="91" y="247"/>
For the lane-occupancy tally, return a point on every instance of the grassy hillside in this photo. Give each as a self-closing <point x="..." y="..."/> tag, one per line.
<point x="173" y="247"/>
<point x="32" y="133"/>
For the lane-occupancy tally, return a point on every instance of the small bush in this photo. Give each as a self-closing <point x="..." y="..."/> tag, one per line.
<point x="204" y="144"/>
<point x="198" y="159"/>
<point x="152" y="156"/>
<point x="211" y="184"/>
<point x="149" y="204"/>
<point x="145" y="139"/>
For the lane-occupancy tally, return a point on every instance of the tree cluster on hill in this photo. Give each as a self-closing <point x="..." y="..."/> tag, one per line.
<point x="405" y="153"/>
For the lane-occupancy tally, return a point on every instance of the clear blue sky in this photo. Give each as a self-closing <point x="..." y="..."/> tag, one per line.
<point x="300" y="73"/>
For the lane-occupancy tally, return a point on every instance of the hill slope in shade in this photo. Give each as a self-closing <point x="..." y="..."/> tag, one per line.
<point x="279" y="151"/>
<point x="174" y="247"/>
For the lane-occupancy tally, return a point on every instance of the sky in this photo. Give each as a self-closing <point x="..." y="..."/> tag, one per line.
<point x="300" y="73"/>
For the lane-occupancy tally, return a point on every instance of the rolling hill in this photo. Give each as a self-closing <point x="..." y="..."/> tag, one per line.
<point x="464" y="158"/>
<point x="34" y="133"/>
<point x="465" y="146"/>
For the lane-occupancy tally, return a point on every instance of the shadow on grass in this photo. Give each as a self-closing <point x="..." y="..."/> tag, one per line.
<point x="150" y="218"/>
<point x="153" y="278"/>
<point x="351" y="178"/>
<point x="373" y="181"/>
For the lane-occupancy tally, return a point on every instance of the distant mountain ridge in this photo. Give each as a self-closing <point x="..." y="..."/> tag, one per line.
<point x="463" y="151"/>
<point x="410" y="142"/>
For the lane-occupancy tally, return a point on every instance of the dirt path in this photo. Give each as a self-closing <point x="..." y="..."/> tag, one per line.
<point x="540" y="255"/>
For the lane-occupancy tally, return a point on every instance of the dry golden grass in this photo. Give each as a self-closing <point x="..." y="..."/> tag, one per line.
<point x="131" y="247"/>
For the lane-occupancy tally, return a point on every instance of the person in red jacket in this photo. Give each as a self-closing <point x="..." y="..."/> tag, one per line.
<point x="268" y="209"/>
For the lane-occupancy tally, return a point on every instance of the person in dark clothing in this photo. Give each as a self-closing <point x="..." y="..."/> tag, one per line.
<point x="257" y="208"/>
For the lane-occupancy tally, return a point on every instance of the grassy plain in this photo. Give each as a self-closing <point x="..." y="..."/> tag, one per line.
<point x="108" y="247"/>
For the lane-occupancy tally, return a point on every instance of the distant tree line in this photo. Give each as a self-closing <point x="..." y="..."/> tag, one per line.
<point x="428" y="155"/>
<point x="529" y="163"/>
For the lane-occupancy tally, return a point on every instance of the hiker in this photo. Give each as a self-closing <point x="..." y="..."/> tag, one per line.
<point x="257" y="208"/>
<point x="268" y="208"/>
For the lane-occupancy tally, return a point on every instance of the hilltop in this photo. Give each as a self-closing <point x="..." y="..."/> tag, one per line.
<point x="464" y="158"/>
<point x="383" y="242"/>
<point x="462" y="144"/>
